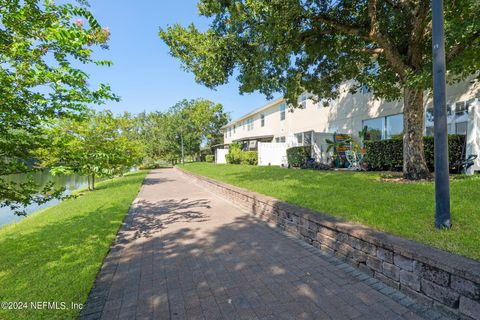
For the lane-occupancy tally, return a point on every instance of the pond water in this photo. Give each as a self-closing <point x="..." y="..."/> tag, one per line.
<point x="71" y="183"/>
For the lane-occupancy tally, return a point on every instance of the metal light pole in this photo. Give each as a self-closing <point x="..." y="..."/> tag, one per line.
<point x="442" y="187"/>
<point x="183" y="152"/>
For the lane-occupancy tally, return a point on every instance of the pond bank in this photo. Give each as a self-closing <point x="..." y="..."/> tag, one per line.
<point x="55" y="255"/>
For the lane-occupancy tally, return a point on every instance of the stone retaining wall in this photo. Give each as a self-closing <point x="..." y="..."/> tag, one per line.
<point x="429" y="275"/>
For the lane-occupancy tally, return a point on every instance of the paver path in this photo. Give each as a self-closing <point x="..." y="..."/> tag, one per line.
<point x="184" y="253"/>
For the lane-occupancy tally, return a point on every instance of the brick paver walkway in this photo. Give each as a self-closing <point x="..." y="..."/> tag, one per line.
<point x="184" y="253"/>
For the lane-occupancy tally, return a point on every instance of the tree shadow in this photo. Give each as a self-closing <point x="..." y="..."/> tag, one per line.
<point x="235" y="269"/>
<point x="148" y="218"/>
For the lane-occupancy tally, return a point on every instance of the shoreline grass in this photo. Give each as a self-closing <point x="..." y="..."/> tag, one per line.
<point x="54" y="255"/>
<point x="402" y="209"/>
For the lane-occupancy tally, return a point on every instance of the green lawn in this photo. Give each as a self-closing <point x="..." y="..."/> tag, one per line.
<point x="403" y="209"/>
<point x="54" y="255"/>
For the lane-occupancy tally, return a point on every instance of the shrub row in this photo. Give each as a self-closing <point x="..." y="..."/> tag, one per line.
<point x="297" y="156"/>
<point x="388" y="154"/>
<point x="209" y="158"/>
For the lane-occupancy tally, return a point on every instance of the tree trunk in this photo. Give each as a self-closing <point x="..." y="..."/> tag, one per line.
<point x="414" y="165"/>
<point x="88" y="181"/>
<point x="93" y="182"/>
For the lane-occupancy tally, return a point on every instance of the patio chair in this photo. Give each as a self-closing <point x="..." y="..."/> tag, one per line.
<point x="353" y="160"/>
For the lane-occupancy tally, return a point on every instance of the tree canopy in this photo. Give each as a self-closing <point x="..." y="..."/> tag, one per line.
<point x="42" y="45"/>
<point x="293" y="46"/>
<point x="197" y="122"/>
<point x="99" y="145"/>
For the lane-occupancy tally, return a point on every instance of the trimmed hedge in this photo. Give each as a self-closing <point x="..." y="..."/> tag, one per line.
<point x="209" y="158"/>
<point x="388" y="154"/>
<point x="297" y="156"/>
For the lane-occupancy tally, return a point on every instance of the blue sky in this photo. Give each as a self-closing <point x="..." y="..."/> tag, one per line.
<point x="144" y="74"/>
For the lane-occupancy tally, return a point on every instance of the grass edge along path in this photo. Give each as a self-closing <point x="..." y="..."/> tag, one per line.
<point x="54" y="255"/>
<point x="402" y="209"/>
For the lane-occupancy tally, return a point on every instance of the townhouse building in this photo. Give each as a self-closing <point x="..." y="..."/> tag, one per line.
<point x="317" y="119"/>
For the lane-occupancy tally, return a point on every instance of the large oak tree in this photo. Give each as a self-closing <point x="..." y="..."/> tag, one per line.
<point x="292" y="46"/>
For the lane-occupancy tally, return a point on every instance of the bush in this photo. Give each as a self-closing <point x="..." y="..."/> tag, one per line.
<point x="236" y="155"/>
<point x="249" y="157"/>
<point x="297" y="156"/>
<point x="388" y="154"/>
<point x="209" y="158"/>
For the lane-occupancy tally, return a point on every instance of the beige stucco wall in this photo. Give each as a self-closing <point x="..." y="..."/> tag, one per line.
<point x="343" y="115"/>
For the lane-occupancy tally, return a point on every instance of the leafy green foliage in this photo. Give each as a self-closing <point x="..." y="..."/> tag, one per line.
<point x="290" y="46"/>
<point x="236" y="155"/>
<point x="96" y="146"/>
<point x="293" y="46"/>
<point x="41" y="45"/>
<point x="297" y="156"/>
<point x="209" y="158"/>
<point x="195" y="122"/>
<point x="154" y="131"/>
<point x="388" y="154"/>
<point x="249" y="157"/>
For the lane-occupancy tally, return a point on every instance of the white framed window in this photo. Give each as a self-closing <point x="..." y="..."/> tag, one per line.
<point x="234" y="127"/>
<point x="457" y="118"/>
<point x="282" y="108"/>
<point x="375" y="128"/>
<point x="304" y="138"/>
<point x="262" y="120"/>
<point x="280" y="139"/>
<point x="394" y="125"/>
<point x="250" y="124"/>
<point x="299" y="138"/>
<point x="384" y="127"/>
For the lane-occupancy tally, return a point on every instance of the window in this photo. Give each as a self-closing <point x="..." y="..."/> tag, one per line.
<point x="457" y="118"/>
<point x="384" y="127"/>
<point x="307" y="138"/>
<point x="429" y="120"/>
<point x="282" y="111"/>
<point x="230" y="131"/>
<point x="394" y="125"/>
<point x="461" y="127"/>
<point x="234" y="127"/>
<point x="375" y="128"/>
<point x="262" y="120"/>
<point x="250" y="124"/>
<point x="280" y="139"/>
<point x="304" y="138"/>
<point x="299" y="138"/>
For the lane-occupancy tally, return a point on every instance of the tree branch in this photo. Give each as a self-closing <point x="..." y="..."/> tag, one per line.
<point x="417" y="35"/>
<point x="460" y="47"/>
<point x="399" y="4"/>
<point x="353" y="30"/>
<point x="391" y="53"/>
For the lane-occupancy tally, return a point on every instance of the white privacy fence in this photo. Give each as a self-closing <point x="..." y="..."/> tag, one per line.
<point x="473" y="136"/>
<point x="220" y="155"/>
<point x="274" y="154"/>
